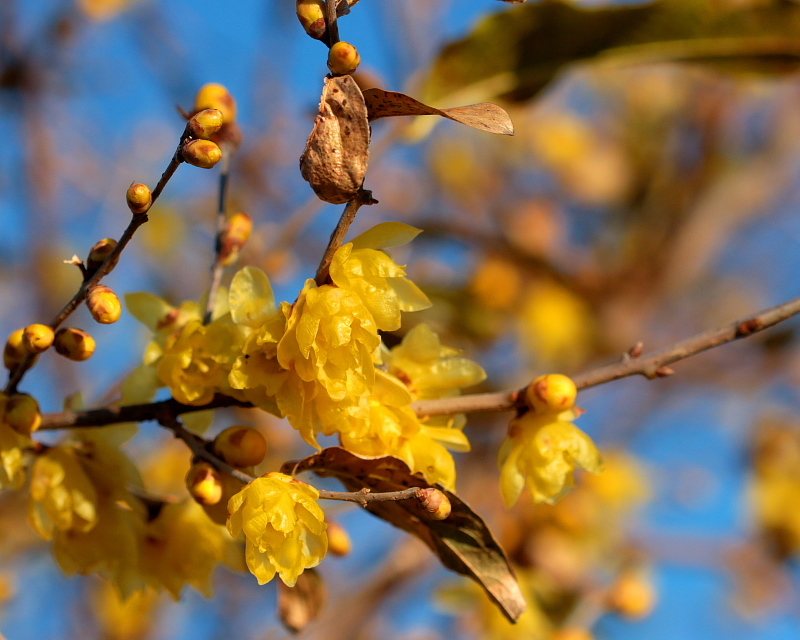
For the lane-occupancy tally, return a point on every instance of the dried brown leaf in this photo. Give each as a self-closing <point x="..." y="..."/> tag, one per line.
<point x="484" y="116"/>
<point x="462" y="542"/>
<point x="301" y="604"/>
<point x="337" y="151"/>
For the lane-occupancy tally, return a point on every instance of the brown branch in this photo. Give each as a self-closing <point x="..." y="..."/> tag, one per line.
<point x="217" y="267"/>
<point x="651" y="366"/>
<point x="364" y="497"/>
<point x="137" y="220"/>
<point x="331" y="22"/>
<point x="363" y="197"/>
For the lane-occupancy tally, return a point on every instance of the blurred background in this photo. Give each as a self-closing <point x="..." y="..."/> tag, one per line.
<point x="649" y="193"/>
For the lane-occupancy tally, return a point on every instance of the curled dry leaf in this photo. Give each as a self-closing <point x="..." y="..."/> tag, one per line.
<point x="301" y="604"/>
<point x="484" y="116"/>
<point x="462" y="541"/>
<point x="337" y="152"/>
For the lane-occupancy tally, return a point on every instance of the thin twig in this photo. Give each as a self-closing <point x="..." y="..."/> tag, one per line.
<point x="364" y="497"/>
<point x="363" y="197"/>
<point x="332" y="22"/>
<point x="137" y="220"/>
<point x="217" y="267"/>
<point x="651" y="366"/>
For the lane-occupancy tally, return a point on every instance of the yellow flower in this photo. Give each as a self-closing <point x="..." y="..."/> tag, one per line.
<point x="183" y="545"/>
<point x="543" y="451"/>
<point x="361" y="267"/>
<point x="198" y="358"/>
<point x="62" y="496"/>
<point x="284" y="527"/>
<point x="12" y="463"/>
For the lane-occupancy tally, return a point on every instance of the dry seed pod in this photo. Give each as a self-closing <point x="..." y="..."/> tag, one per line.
<point x="98" y="254"/>
<point x="201" y="153"/>
<point x="205" y="123"/>
<point x="204" y="483"/>
<point x="216" y="96"/>
<point x="22" y="413"/>
<point x="241" y="446"/>
<point x="234" y="236"/>
<point x="311" y="14"/>
<point x="15" y="351"/>
<point x="37" y="338"/>
<point x="435" y="503"/>
<point x="139" y="198"/>
<point x="104" y="305"/>
<point x="337" y="151"/>
<point x="74" y="344"/>
<point x="343" y="58"/>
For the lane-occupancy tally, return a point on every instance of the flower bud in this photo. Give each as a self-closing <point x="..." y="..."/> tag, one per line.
<point x="236" y="233"/>
<point x="230" y="486"/>
<point x="205" y="123"/>
<point x="37" y="338"/>
<point x="201" y="153"/>
<point x="241" y="446"/>
<point x="435" y="503"/>
<point x="74" y="344"/>
<point x="204" y="483"/>
<point x="22" y="413"/>
<point x="104" y="305"/>
<point x="98" y="254"/>
<point x="311" y="14"/>
<point x="343" y="58"/>
<point x="14" y="351"/>
<point x="632" y="595"/>
<point x="216" y="96"/>
<point x="553" y="392"/>
<point x="339" y="543"/>
<point x="139" y="198"/>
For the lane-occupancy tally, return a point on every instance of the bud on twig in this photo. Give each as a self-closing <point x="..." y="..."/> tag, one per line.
<point x="14" y="351"/>
<point x="74" y="344"/>
<point x="216" y="96"/>
<point x="104" y="305"/>
<point x="205" y="123"/>
<point x="139" y="198"/>
<point x="98" y="254"/>
<point x="37" y="338"/>
<point x="435" y="503"/>
<point x="311" y="14"/>
<point x="22" y="413"/>
<point x="204" y="484"/>
<point x="234" y="236"/>
<point x="553" y="392"/>
<point x="343" y="58"/>
<point x="241" y="446"/>
<point x="201" y="153"/>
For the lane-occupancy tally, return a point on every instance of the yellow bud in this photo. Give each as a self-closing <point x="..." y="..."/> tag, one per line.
<point x="205" y="123"/>
<point x="553" y="392"/>
<point x="204" y="483"/>
<point x="14" y="351"/>
<point x="74" y="344"/>
<point x="104" y="304"/>
<point x="241" y="446"/>
<point x="139" y="198"/>
<point x="201" y="153"/>
<point x="311" y="14"/>
<point x="339" y="543"/>
<point x="22" y="413"/>
<point x="37" y="338"/>
<point x="236" y="233"/>
<point x="219" y="512"/>
<point x="435" y="503"/>
<point x="632" y="595"/>
<point x="98" y="254"/>
<point x="216" y="96"/>
<point x="343" y="58"/>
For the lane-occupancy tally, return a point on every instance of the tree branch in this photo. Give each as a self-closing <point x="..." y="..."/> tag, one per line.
<point x="217" y="267"/>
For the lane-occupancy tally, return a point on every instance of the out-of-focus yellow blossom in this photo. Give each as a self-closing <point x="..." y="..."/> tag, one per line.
<point x="543" y="450"/>
<point x="129" y="619"/>
<point x="12" y="444"/>
<point x="284" y="527"/>
<point x="103" y="9"/>
<point x="197" y="360"/>
<point x="362" y="267"/>
<point x="183" y="546"/>
<point x="62" y="496"/>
